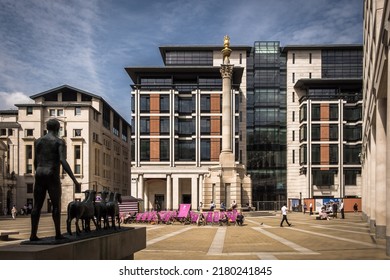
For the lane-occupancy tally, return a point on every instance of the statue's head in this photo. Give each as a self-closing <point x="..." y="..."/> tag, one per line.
<point x="53" y="125"/>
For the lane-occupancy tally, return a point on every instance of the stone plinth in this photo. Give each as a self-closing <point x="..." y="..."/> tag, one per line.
<point x="114" y="246"/>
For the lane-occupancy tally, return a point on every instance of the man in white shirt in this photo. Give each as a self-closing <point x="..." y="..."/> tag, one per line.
<point x="342" y="209"/>
<point x="284" y="214"/>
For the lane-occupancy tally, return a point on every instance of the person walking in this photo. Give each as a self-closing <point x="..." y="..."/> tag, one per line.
<point x="284" y="215"/>
<point x="304" y="208"/>
<point x="355" y="208"/>
<point x="311" y="208"/>
<point x="342" y="209"/>
<point x="13" y="212"/>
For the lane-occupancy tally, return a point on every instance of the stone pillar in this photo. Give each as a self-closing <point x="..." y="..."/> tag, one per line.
<point x="372" y="178"/>
<point x="141" y="187"/>
<point x="226" y="72"/>
<point x="146" y="196"/>
<point x="388" y="160"/>
<point x="201" y="187"/>
<point x="175" y="193"/>
<point x="194" y="193"/>
<point x="380" y="175"/>
<point x="169" y="192"/>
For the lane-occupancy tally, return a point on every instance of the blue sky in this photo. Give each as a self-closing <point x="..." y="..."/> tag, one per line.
<point x="87" y="44"/>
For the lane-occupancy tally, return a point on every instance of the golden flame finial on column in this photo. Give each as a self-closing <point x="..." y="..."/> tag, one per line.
<point x="226" y="50"/>
<point x="226" y="41"/>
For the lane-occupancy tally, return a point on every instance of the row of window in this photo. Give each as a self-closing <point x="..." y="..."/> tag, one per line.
<point x="331" y="112"/>
<point x="183" y="104"/>
<point x="330" y="132"/>
<point x="184" y="150"/>
<point x="328" y="154"/>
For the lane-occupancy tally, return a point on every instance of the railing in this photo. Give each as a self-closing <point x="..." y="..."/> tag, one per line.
<point x="267" y="205"/>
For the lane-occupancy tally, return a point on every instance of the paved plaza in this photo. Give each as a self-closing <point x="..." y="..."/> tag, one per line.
<point x="261" y="237"/>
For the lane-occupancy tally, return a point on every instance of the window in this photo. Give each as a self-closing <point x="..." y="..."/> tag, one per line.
<point x="293" y="116"/>
<point x="293" y="58"/>
<point x="77" y="169"/>
<point x="77" y="111"/>
<point x="145" y="149"/>
<point x="315" y="132"/>
<point x="310" y="75"/>
<point x="52" y="112"/>
<point x="60" y="112"/>
<point x="185" y="150"/>
<point x="30" y="188"/>
<point x="323" y="177"/>
<point x="3" y="132"/>
<point x="29" y="110"/>
<point x="350" y="176"/>
<point x="303" y="113"/>
<point x="164" y="125"/>
<point x="333" y="132"/>
<point x="310" y="58"/>
<point x="77" y="152"/>
<point x="303" y="133"/>
<point x="315" y="112"/>
<point x="333" y="112"/>
<point x="315" y="154"/>
<point x="293" y="156"/>
<point x="77" y="132"/>
<point x="293" y="97"/>
<point x="240" y="58"/>
<point x="293" y="77"/>
<point x="205" y="126"/>
<point x="96" y="115"/>
<point x="164" y="103"/>
<point x="29" y="151"/>
<point x="205" y="149"/>
<point x="333" y="154"/>
<point x="10" y="131"/>
<point x="144" y="125"/>
<point x="145" y="103"/>
<point x="29" y="132"/>
<point x="164" y="149"/>
<point x="28" y="168"/>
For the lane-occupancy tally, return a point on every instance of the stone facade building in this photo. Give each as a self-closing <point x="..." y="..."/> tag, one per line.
<point x="375" y="154"/>
<point x="97" y="139"/>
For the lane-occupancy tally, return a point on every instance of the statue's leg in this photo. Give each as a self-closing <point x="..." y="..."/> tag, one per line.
<point x="39" y="198"/>
<point x="55" y="197"/>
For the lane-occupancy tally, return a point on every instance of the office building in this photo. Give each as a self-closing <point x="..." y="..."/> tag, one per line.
<point x="177" y="124"/>
<point x="324" y="121"/>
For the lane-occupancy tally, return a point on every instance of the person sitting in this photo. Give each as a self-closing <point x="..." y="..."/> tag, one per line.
<point x="212" y="206"/>
<point x="223" y="206"/>
<point x="224" y="219"/>
<point x="323" y="215"/>
<point x="201" y="220"/>
<point x="240" y="219"/>
<point x="233" y="205"/>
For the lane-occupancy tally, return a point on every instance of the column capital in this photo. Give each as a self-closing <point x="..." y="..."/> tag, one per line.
<point x="226" y="71"/>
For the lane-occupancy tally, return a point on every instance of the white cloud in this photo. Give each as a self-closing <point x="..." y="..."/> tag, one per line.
<point x="9" y="99"/>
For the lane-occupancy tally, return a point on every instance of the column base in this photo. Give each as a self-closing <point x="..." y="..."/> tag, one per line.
<point x="380" y="232"/>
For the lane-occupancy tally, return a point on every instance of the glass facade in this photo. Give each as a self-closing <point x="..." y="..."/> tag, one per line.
<point x="342" y="63"/>
<point x="266" y="121"/>
<point x="189" y="58"/>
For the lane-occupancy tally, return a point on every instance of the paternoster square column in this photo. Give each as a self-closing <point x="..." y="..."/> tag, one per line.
<point x="226" y="73"/>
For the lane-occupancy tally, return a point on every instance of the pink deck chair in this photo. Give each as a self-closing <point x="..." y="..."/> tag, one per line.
<point x="184" y="210"/>
<point x="138" y="217"/>
<point x="209" y="217"/>
<point x="194" y="218"/>
<point x="216" y="217"/>
<point x="152" y="216"/>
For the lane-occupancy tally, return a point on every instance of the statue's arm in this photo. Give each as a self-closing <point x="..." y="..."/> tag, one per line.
<point x="64" y="163"/>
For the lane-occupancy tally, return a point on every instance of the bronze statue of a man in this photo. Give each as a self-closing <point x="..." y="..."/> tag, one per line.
<point x="50" y="153"/>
